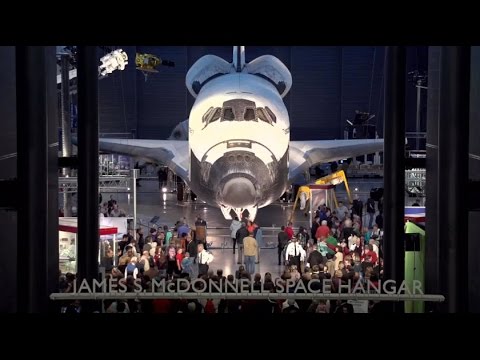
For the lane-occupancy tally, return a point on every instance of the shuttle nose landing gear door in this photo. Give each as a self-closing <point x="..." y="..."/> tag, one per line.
<point x="241" y="213"/>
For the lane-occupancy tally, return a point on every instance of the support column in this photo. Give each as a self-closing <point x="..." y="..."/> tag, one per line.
<point x="453" y="137"/>
<point x="88" y="222"/>
<point x="134" y="173"/>
<point x="66" y="128"/>
<point x="52" y="134"/>
<point x="419" y="114"/>
<point x="32" y="145"/>
<point x="394" y="164"/>
<point x="432" y="254"/>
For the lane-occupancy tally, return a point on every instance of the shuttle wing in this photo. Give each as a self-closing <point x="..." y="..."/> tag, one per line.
<point x="172" y="153"/>
<point x="304" y="154"/>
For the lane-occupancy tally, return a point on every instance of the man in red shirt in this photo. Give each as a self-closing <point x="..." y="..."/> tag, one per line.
<point x="323" y="230"/>
<point x="289" y="230"/>
<point x="370" y="255"/>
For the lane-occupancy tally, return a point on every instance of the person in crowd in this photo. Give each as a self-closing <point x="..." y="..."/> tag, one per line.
<point x="191" y="248"/>
<point x="204" y="258"/>
<point x="140" y="239"/>
<point x="179" y="258"/>
<point x="258" y="235"/>
<point x="107" y="261"/>
<point x="282" y="244"/>
<point x="187" y="265"/>
<point x="234" y="227"/>
<point x="289" y="230"/>
<point x="314" y="258"/>
<point x="183" y="228"/>
<point x="371" y="212"/>
<point x="338" y="256"/>
<point x="250" y="247"/>
<point x="330" y="265"/>
<point x="315" y="226"/>
<point x="131" y="269"/>
<point x="240" y="235"/>
<point x="161" y="261"/>
<point x="220" y="275"/>
<point x="323" y="248"/>
<point x="144" y="262"/>
<point x="294" y="254"/>
<point x="160" y="237"/>
<point x="171" y="262"/>
<point x="148" y="244"/>
<point x="302" y="237"/>
<point x="322" y="230"/>
<point x="168" y="235"/>
<point x="341" y="211"/>
<point x="201" y="231"/>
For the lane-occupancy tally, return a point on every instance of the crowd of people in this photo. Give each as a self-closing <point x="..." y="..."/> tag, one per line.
<point x="337" y="248"/>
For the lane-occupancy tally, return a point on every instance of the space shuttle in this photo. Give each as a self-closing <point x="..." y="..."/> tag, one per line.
<point x="238" y="155"/>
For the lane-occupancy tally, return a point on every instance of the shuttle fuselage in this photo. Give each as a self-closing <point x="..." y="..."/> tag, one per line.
<point x="238" y="137"/>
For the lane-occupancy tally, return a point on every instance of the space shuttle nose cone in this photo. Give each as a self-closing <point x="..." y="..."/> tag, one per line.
<point x="239" y="192"/>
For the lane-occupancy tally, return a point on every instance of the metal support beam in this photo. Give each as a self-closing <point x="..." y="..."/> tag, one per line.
<point x="394" y="163"/>
<point x="66" y="127"/>
<point x="88" y="221"/>
<point x="32" y="145"/>
<point x="453" y="125"/>
<point x="432" y="255"/>
<point x="419" y="113"/>
<point x="52" y="134"/>
<point x="241" y="296"/>
<point x="134" y="192"/>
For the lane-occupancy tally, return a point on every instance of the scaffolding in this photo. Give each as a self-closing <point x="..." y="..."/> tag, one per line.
<point x="107" y="183"/>
<point x="304" y="194"/>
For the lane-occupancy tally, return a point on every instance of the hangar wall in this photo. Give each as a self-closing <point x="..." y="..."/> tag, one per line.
<point x="329" y="84"/>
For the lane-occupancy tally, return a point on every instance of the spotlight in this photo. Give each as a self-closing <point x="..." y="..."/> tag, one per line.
<point x="128" y="189"/>
<point x="356" y="189"/>
<point x="164" y="189"/>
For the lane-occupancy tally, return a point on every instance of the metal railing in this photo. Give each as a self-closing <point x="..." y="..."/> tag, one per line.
<point x="119" y="135"/>
<point x="245" y="295"/>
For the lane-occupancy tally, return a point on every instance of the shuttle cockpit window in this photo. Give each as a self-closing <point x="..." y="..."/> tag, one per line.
<point x="239" y="110"/>
<point x="228" y="114"/>
<point x="212" y="114"/>
<point x="249" y="114"/>
<point x="267" y="115"/>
